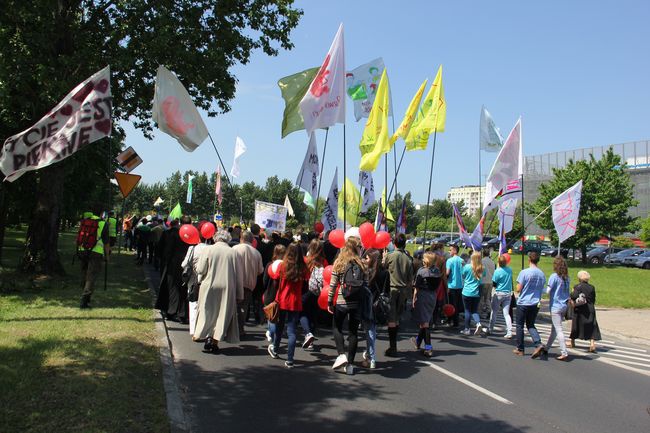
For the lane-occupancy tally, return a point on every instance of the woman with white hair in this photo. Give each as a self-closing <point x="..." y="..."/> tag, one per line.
<point x="584" y="325"/>
<point x="218" y="294"/>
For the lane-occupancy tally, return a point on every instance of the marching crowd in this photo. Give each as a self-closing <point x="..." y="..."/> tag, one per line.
<point x="215" y="282"/>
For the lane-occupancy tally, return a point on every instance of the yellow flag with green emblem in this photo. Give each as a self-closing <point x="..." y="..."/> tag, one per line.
<point x="352" y="199"/>
<point x="375" y="139"/>
<point x="431" y="116"/>
<point x="409" y="116"/>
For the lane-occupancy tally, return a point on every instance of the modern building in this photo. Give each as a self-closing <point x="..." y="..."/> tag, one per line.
<point x="539" y="169"/>
<point x="471" y="195"/>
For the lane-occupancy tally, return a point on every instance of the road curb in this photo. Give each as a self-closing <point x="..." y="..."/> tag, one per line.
<point x="175" y="412"/>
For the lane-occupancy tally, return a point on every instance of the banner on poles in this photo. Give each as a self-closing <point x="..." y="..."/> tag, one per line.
<point x="270" y="216"/>
<point x="82" y="117"/>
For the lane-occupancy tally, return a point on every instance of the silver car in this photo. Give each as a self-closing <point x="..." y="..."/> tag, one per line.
<point x="617" y="258"/>
<point x="640" y="261"/>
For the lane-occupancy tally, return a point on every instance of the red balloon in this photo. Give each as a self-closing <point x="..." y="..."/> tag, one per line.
<point x="448" y="310"/>
<point x="322" y="298"/>
<point x="327" y="276"/>
<point x="319" y="227"/>
<point x="367" y="233"/>
<point x="337" y="238"/>
<point x="189" y="234"/>
<point x="207" y="230"/>
<point x="382" y="239"/>
<point x="274" y="269"/>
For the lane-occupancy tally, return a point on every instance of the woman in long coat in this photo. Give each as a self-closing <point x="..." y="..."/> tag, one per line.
<point x="218" y="294"/>
<point x="584" y="325"/>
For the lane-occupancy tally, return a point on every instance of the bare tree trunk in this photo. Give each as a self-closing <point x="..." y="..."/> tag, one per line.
<point x="42" y="244"/>
<point x="3" y="216"/>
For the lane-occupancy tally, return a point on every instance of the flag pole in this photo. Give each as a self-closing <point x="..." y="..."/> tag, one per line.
<point x="320" y="178"/>
<point x="523" y="235"/>
<point x="386" y="188"/>
<point x="225" y="172"/>
<point x="345" y="204"/>
<point x="426" y="213"/>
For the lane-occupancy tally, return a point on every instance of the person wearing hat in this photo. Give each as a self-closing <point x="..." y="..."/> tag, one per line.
<point x="427" y="282"/>
<point x="400" y="269"/>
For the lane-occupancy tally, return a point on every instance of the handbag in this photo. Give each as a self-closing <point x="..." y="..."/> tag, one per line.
<point x="581" y="300"/>
<point x="272" y="310"/>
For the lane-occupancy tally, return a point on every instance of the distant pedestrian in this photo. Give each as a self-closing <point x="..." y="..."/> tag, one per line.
<point x="585" y="325"/>
<point x="530" y="284"/>
<point x="378" y="281"/>
<point x="249" y="263"/>
<point x="427" y="282"/>
<point x="502" y="281"/>
<point x="486" y="284"/>
<point x="558" y="290"/>
<point x="454" y="267"/>
<point x="92" y="249"/>
<point x="472" y="274"/>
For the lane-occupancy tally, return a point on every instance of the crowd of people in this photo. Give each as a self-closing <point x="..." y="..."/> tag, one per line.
<point x="217" y="284"/>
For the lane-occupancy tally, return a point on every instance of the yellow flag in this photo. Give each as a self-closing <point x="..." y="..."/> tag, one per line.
<point x="352" y="199"/>
<point x="430" y="118"/>
<point x="375" y="139"/>
<point x="409" y="116"/>
<point x="389" y="214"/>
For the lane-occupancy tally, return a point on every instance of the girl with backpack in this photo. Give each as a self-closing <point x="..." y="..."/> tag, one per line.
<point x="293" y="274"/>
<point x="427" y="282"/>
<point x="348" y="281"/>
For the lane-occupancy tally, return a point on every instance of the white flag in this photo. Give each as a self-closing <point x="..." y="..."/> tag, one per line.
<point x="240" y="148"/>
<point x="365" y="181"/>
<point x="332" y="204"/>
<point x="506" y="214"/>
<point x="158" y="201"/>
<point x="175" y="113"/>
<point x="504" y="180"/>
<point x="362" y="84"/>
<point x="308" y="176"/>
<point x="490" y="138"/>
<point x="82" y="117"/>
<point x="287" y="204"/>
<point x="309" y="200"/>
<point x="566" y="210"/>
<point x="324" y="103"/>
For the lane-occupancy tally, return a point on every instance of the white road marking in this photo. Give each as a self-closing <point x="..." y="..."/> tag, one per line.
<point x="620" y="355"/>
<point x="640" y="364"/>
<point x="470" y="384"/>
<point x="623" y="366"/>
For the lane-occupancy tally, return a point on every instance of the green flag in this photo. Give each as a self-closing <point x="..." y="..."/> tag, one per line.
<point x="293" y="88"/>
<point x="176" y="213"/>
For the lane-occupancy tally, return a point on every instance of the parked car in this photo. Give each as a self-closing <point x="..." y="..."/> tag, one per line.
<point x="443" y="239"/>
<point x="640" y="261"/>
<point x="617" y="258"/>
<point x="552" y="252"/>
<point x="597" y="255"/>
<point x="529" y="246"/>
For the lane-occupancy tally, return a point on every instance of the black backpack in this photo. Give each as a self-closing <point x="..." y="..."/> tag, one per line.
<point x="353" y="282"/>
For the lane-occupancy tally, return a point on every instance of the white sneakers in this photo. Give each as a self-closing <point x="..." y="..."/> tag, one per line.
<point x="477" y="331"/>
<point x="309" y="339"/>
<point x="272" y="352"/>
<point x="341" y="361"/>
<point x="268" y="336"/>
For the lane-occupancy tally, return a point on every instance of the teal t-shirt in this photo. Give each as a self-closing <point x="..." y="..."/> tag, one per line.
<point x="503" y="279"/>
<point x="471" y="283"/>
<point x="455" y="266"/>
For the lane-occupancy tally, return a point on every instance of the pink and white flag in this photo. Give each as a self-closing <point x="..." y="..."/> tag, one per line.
<point x="505" y="177"/>
<point x="83" y="116"/>
<point x="566" y="210"/>
<point x="217" y="186"/>
<point x="175" y="113"/>
<point x="324" y="103"/>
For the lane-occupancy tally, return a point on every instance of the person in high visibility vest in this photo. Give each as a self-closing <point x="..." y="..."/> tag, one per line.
<point x="92" y="248"/>
<point x="112" y="229"/>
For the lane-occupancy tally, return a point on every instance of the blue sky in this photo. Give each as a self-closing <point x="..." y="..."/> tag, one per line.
<point x="576" y="71"/>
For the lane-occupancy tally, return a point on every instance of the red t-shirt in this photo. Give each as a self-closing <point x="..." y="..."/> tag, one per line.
<point x="289" y="295"/>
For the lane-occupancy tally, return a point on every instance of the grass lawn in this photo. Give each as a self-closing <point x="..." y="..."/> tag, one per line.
<point x="616" y="286"/>
<point x="65" y="369"/>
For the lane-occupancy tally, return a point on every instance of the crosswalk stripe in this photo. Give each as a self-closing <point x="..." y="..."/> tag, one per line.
<point x="633" y="363"/>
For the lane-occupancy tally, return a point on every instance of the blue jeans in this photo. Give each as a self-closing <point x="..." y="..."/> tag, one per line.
<point x="309" y="304"/>
<point x="527" y="314"/>
<point x="371" y="337"/>
<point x="471" y="309"/>
<point x="290" y="318"/>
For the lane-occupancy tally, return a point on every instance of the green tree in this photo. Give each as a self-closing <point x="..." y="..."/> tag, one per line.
<point x="49" y="46"/>
<point x="606" y="197"/>
<point x="645" y="231"/>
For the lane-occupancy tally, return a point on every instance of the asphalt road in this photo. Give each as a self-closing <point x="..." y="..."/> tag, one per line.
<point x="472" y="384"/>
